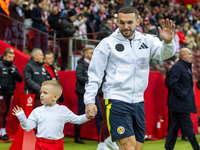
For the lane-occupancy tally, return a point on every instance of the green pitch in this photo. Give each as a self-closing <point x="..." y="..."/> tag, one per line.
<point x="92" y="144"/>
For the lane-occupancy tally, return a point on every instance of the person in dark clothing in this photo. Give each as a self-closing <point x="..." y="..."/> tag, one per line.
<point x="107" y="27"/>
<point x="54" y="20"/>
<point x="82" y="78"/>
<point x="181" y="100"/>
<point x="16" y="12"/>
<point x="27" y="8"/>
<point x="9" y="75"/>
<point x="66" y="30"/>
<point x="39" y="23"/>
<point x="170" y="114"/>
<point x="51" y="70"/>
<point x="34" y="74"/>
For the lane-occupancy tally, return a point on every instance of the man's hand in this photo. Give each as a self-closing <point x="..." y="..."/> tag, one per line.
<point x="167" y="31"/>
<point x="90" y="110"/>
<point x="16" y="110"/>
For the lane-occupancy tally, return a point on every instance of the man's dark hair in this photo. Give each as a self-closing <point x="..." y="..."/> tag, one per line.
<point x="128" y="10"/>
<point x="47" y="53"/>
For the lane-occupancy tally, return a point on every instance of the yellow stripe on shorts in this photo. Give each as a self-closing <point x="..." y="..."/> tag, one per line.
<point x="108" y="107"/>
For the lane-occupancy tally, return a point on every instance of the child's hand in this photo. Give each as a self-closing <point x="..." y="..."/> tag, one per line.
<point x="16" y="110"/>
<point x="91" y="110"/>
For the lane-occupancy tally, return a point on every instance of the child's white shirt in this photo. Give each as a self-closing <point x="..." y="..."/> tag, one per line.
<point x="49" y="121"/>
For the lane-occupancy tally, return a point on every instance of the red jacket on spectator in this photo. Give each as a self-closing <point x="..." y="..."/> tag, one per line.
<point x="182" y="38"/>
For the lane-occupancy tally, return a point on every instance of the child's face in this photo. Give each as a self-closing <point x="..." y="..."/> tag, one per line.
<point x="47" y="96"/>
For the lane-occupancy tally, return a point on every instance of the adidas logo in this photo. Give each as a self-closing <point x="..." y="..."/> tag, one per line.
<point x="143" y="46"/>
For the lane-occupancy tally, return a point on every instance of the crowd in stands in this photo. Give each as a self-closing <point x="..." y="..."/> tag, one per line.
<point x="81" y="18"/>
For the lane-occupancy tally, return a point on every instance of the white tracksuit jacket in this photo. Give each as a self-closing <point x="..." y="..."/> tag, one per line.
<point x="126" y="64"/>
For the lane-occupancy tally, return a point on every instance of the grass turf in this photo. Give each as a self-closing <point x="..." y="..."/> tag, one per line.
<point x="92" y="144"/>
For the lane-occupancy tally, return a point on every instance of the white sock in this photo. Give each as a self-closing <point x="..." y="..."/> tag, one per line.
<point x="0" y="131"/>
<point x="3" y="131"/>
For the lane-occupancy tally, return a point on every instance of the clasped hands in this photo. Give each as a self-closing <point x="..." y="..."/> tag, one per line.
<point x="90" y="110"/>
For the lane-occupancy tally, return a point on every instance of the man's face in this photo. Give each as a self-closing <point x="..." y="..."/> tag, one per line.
<point x="109" y="24"/>
<point x="73" y="18"/>
<point x="88" y="54"/>
<point x="48" y="60"/>
<point x="127" y="24"/>
<point x="188" y="56"/>
<point x="9" y="57"/>
<point x="39" y="56"/>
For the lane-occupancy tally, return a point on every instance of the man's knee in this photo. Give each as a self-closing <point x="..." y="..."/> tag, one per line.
<point x="127" y="143"/>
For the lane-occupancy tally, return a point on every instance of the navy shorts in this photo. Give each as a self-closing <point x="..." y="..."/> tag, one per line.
<point x="125" y="119"/>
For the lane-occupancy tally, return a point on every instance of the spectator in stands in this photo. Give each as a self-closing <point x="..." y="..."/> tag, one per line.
<point x="34" y="74"/>
<point x="181" y="100"/>
<point x="198" y="41"/>
<point x="28" y="7"/>
<point x="80" y="23"/>
<point x="66" y="30"/>
<point x="38" y="18"/>
<point x="82" y="78"/>
<point x="151" y="29"/>
<point x="9" y="75"/>
<point x="181" y="35"/>
<point x="106" y="30"/>
<point x="54" y="20"/>
<point x="190" y="41"/>
<point x="170" y="113"/>
<point x="67" y="8"/>
<point x="197" y="26"/>
<point x="16" y="12"/>
<point x="100" y="17"/>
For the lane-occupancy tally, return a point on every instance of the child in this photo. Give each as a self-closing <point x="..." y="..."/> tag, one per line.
<point x="49" y="118"/>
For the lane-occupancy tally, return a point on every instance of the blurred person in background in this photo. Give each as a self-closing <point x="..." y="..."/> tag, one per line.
<point x="34" y="74"/>
<point x="66" y="31"/>
<point x="38" y="18"/>
<point x="106" y="30"/>
<point x="181" y="100"/>
<point x="9" y="76"/>
<point x="190" y="41"/>
<point x="82" y="78"/>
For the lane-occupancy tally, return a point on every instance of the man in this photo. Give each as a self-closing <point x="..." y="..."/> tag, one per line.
<point x="82" y="78"/>
<point x="34" y="74"/>
<point x="51" y="70"/>
<point x="125" y="56"/>
<point x="107" y="27"/>
<point x="170" y="113"/>
<point x="66" y="30"/>
<point x="38" y="18"/>
<point x="181" y="100"/>
<point x="48" y="64"/>
<point x="54" y="20"/>
<point x="9" y="74"/>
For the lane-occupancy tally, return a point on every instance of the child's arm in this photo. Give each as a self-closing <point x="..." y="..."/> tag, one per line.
<point x="26" y="124"/>
<point x="72" y="118"/>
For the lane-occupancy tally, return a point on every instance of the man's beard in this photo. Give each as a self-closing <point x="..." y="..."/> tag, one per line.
<point x="127" y="36"/>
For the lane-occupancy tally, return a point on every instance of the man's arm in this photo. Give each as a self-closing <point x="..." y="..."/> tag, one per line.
<point x="28" y="73"/>
<point x="95" y="72"/>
